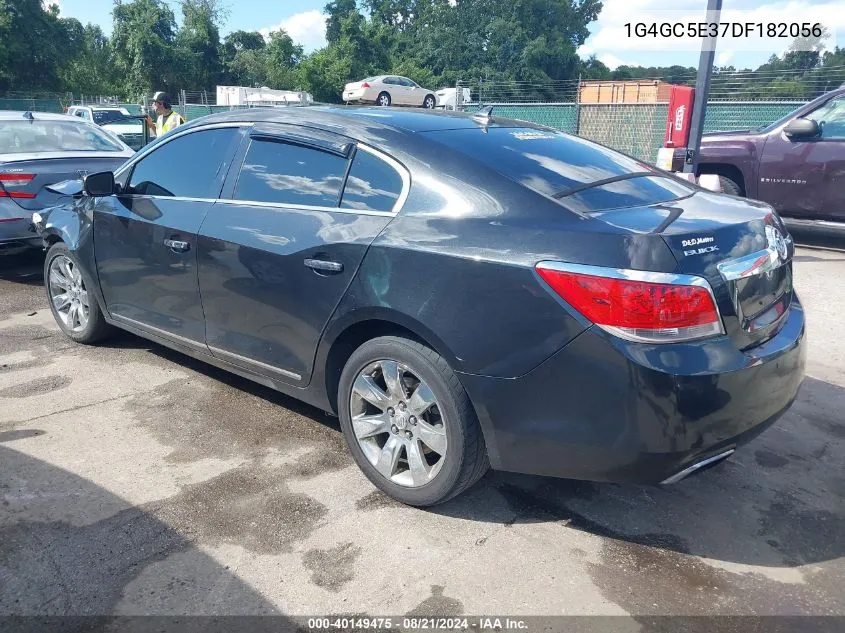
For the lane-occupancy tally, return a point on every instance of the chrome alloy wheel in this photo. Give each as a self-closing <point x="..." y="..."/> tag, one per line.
<point x="68" y="293"/>
<point x="398" y="423"/>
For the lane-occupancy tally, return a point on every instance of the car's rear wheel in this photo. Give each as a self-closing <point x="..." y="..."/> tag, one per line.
<point x="409" y="423"/>
<point x="75" y="309"/>
<point x="729" y="186"/>
<point x="429" y="102"/>
<point x="383" y="99"/>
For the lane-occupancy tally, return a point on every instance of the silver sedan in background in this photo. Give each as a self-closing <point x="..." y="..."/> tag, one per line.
<point x="38" y="149"/>
<point x="386" y="90"/>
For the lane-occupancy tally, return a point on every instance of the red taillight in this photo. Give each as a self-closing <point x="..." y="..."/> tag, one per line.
<point x="17" y="194"/>
<point x="9" y="180"/>
<point x="365" y="85"/>
<point x="15" y="180"/>
<point x="637" y="306"/>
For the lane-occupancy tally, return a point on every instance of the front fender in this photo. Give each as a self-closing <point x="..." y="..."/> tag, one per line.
<point x="73" y="224"/>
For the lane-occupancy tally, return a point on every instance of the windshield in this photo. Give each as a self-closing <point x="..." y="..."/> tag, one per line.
<point x="583" y="175"/>
<point x="50" y="135"/>
<point x="102" y="117"/>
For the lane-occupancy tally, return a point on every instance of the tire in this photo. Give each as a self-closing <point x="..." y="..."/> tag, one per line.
<point x="464" y="460"/>
<point x="430" y="102"/>
<point x="730" y="186"/>
<point x="384" y="99"/>
<point x="95" y="327"/>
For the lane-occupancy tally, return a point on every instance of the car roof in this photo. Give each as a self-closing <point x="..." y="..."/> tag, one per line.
<point x="337" y="118"/>
<point x="15" y="115"/>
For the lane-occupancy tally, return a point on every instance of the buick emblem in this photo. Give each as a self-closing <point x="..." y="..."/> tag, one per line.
<point x="778" y="242"/>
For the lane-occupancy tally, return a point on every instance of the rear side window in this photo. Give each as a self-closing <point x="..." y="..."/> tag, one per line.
<point x="189" y="166"/>
<point x="284" y="173"/>
<point x="52" y="135"/>
<point x="372" y="184"/>
<point x="553" y="163"/>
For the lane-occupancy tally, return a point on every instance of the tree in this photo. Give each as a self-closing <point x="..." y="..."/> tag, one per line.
<point x="35" y="45"/>
<point x="337" y="10"/>
<point x="283" y="57"/>
<point x="91" y="71"/>
<point x="244" y="59"/>
<point x="198" y="44"/>
<point x="143" y="47"/>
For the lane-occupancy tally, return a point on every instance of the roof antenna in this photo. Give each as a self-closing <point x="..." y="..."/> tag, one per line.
<point x="484" y="115"/>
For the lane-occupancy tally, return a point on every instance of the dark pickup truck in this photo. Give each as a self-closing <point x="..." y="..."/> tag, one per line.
<point x="796" y="164"/>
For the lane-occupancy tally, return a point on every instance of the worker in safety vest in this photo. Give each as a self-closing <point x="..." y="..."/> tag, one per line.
<point x="166" y="118"/>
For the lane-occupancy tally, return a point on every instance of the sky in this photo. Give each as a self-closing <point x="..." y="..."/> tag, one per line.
<point x="302" y="19"/>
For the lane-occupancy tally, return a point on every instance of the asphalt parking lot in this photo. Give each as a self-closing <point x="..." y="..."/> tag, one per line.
<point x="134" y="480"/>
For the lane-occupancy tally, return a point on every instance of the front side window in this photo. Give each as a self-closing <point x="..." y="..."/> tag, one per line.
<point x="372" y="184"/>
<point x="284" y="173"/>
<point x="51" y="135"/>
<point x="831" y="119"/>
<point x="189" y="166"/>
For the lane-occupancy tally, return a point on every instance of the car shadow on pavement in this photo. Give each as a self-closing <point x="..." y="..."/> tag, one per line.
<point x="777" y="502"/>
<point x="71" y="548"/>
<point x="22" y="265"/>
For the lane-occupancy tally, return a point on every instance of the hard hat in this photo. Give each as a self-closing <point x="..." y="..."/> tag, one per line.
<point x="163" y="97"/>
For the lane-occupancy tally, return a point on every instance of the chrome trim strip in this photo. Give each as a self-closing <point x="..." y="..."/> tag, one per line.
<point x="686" y="472"/>
<point x="301" y="207"/>
<point x="250" y="361"/>
<point x="639" y="275"/>
<point x="158" y="331"/>
<point x="749" y="265"/>
<point x="136" y="196"/>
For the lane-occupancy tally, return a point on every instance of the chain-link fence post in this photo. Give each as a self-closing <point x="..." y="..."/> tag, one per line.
<point x="183" y="101"/>
<point x="577" y="129"/>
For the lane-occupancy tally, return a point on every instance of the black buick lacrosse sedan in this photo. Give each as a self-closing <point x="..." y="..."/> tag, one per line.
<point x="464" y="292"/>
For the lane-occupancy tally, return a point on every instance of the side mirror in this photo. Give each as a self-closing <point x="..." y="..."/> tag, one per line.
<point x="802" y="128"/>
<point x="99" y="184"/>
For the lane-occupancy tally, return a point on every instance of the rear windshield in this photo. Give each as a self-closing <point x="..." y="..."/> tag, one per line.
<point x="102" y="117"/>
<point x="50" y="135"/>
<point x="567" y="167"/>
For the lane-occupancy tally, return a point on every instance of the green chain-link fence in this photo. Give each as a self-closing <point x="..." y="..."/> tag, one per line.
<point x="638" y="128"/>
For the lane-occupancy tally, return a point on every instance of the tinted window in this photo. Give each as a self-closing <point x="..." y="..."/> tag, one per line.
<point x="101" y="117"/>
<point x="548" y="162"/>
<point x="627" y="193"/>
<point x="390" y="81"/>
<point x="190" y="166"/>
<point x="372" y="184"/>
<point x="290" y="174"/>
<point x="50" y="135"/>
<point x="831" y="119"/>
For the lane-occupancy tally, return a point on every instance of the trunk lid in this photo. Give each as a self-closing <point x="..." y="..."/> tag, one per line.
<point x="30" y="192"/>
<point x="741" y="247"/>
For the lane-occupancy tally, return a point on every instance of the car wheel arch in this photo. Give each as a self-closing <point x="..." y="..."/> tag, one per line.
<point x="346" y="335"/>
<point x="726" y="170"/>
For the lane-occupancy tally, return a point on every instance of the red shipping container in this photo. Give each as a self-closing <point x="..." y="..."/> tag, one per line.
<point x="679" y="117"/>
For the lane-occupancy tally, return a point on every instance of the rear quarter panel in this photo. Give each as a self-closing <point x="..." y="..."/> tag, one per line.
<point x="457" y="266"/>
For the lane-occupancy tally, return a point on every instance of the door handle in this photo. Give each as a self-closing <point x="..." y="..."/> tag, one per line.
<point x="177" y="246"/>
<point x="324" y="266"/>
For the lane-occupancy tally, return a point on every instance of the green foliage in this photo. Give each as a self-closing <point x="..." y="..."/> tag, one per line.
<point x="143" y="42"/>
<point x="198" y="44"/>
<point x="527" y="46"/>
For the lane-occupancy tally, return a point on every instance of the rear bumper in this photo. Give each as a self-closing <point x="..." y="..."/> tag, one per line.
<point x="603" y="409"/>
<point x="17" y="231"/>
